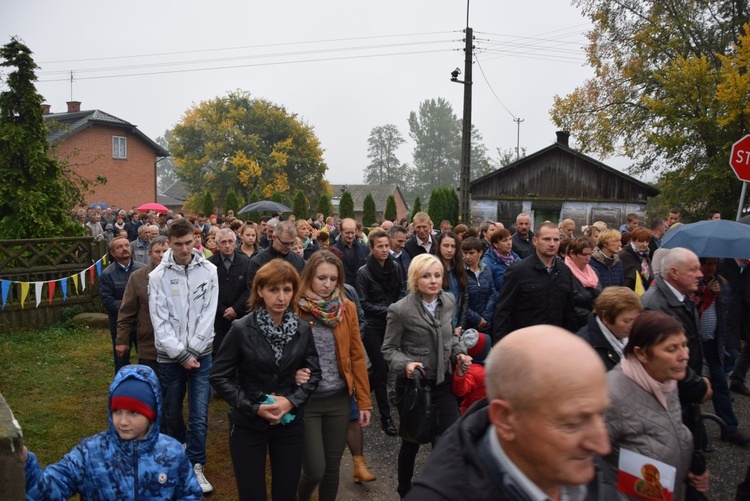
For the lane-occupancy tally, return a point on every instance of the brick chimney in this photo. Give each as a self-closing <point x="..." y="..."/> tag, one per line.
<point x="46" y="109"/>
<point x="563" y="137"/>
<point x="74" y="106"/>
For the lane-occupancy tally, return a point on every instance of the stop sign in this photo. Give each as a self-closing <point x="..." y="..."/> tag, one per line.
<point x="740" y="158"/>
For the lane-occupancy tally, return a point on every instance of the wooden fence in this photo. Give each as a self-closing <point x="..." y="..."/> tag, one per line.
<point x="48" y="261"/>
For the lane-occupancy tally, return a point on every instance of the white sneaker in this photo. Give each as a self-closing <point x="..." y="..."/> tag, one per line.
<point x="205" y="484"/>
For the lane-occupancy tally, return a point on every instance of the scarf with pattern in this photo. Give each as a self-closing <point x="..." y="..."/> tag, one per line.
<point x="506" y="260"/>
<point x="643" y="256"/>
<point x="328" y="311"/>
<point x="277" y="337"/>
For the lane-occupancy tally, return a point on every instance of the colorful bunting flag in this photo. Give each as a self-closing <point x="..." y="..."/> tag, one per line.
<point x="24" y="292"/>
<point x="78" y="278"/>
<point x="5" y="285"/>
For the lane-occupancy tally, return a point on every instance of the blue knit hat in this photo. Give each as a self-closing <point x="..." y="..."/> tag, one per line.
<point x="134" y="395"/>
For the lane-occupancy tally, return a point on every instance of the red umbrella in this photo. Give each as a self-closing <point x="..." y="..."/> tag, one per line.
<point x="152" y="207"/>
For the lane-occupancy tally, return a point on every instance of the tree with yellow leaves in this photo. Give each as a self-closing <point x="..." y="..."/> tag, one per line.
<point x="246" y="144"/>
<point x="663" y="94"/>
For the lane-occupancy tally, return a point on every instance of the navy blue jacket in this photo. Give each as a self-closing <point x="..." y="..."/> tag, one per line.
<point x="112" y="284"/>
<point x="354" y="258"/>
<point x="482" y="297"/>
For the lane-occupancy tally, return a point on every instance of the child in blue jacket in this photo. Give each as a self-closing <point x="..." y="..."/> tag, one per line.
<point x="131" y="460"/>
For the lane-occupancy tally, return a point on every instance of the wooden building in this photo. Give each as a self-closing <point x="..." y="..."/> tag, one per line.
<point x="557" y="183"/>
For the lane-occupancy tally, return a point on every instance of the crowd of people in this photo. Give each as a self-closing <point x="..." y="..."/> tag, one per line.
<point x="296" y="323"/>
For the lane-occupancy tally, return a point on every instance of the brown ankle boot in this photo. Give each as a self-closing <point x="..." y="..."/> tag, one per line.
<point x="360" y="473"/>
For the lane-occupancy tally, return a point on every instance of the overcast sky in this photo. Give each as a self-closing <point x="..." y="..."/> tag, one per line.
<point x="343" y="66"/>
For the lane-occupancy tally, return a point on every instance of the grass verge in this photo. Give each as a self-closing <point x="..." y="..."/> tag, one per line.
<point x="56" y="382"/>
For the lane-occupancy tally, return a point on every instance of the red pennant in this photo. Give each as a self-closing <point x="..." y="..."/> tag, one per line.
<point x="91" y="274"/>
<point x="51" y="291"/>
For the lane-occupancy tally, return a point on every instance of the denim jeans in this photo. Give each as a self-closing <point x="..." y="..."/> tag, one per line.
<point x="721" y="398"/>
<point x="175" y="382"/>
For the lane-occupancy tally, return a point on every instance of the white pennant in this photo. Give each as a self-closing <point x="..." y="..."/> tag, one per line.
<point x="83" y="280"/>
<point x="38" y="292"/>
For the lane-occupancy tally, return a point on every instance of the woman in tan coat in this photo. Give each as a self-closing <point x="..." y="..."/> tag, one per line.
<point x="335" y="329"/>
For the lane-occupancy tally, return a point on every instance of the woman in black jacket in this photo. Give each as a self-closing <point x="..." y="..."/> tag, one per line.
<point x="254" y="371"/>
<point x="636" y="265"/>
<point x="586" y="285"/>
<point x="608" y="328"/>
<point x="379" y="284"/>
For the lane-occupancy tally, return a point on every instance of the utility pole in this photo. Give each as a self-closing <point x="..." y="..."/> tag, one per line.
<point x="518" y="138"/>
<point x="466" y="136"/>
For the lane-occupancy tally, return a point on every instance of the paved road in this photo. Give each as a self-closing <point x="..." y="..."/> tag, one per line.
<point x="728" y="463"/>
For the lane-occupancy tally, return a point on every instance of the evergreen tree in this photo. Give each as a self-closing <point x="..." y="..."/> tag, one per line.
<point x="324" y="205"/>
<point x="417" y="207"/>
<point x="346" y="205"/>
<point x="253" y="216"/>
<point x="369" y="211"/>
<point x="36" y="190"/>
<point x="276" y="197"/>
<point x="231" y="202"/>
<point x="208" y="204"/>
<point x="453" y="206"/>
<point x="435" y="207"/>
<point x="390" y="212"/>
<point x="300" y="206"/>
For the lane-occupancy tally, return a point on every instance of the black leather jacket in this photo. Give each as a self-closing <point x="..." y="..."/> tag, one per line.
<point x="244" y="371"/>
<point x="376" y="299"/>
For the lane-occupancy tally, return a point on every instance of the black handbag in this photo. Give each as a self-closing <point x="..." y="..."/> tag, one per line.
<point x="416" y="414"/>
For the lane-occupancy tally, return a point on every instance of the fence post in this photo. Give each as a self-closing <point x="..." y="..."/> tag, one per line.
<point x="12" y="475"/>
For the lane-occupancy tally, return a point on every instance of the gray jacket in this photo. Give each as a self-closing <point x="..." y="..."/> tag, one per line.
<point x="636" y="421"/>
<point x="412" y="334"/>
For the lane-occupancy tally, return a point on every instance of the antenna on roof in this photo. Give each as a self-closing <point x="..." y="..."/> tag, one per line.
<point x="71" y="85"/>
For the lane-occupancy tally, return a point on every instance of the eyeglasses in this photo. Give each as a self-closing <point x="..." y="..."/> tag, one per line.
<point x="285" y="244"/>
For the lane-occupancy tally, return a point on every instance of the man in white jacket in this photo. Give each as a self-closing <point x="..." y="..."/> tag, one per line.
<point x="183" y="296"/>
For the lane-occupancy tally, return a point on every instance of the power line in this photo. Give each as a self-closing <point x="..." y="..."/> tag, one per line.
<point x="274" y="63"/>
<point x="280" y="44"/>
<point x="239" y="58"/>
<point x="491" y="89"/>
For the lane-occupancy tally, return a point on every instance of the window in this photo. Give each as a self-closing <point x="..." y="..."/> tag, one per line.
<point x="119" y="147"/>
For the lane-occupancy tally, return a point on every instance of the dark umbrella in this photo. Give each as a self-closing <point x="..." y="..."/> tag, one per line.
<point x="744" y="220"/>
<point x="713" y="238"/>
<point x="100" y="204"/>
<point x="265" y="206"/>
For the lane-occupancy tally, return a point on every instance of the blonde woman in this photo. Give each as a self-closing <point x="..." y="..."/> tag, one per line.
<point x="419" y="333"/>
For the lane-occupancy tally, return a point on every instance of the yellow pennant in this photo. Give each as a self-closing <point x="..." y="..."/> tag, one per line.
<point x="24" y="292"/>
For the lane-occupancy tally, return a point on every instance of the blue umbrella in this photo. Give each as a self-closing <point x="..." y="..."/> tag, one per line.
<point x="100" y="204"/>
<point x="718" y="238"/>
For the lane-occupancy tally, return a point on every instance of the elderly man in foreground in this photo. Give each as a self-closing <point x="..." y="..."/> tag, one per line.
<point x="538" y="440"/>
